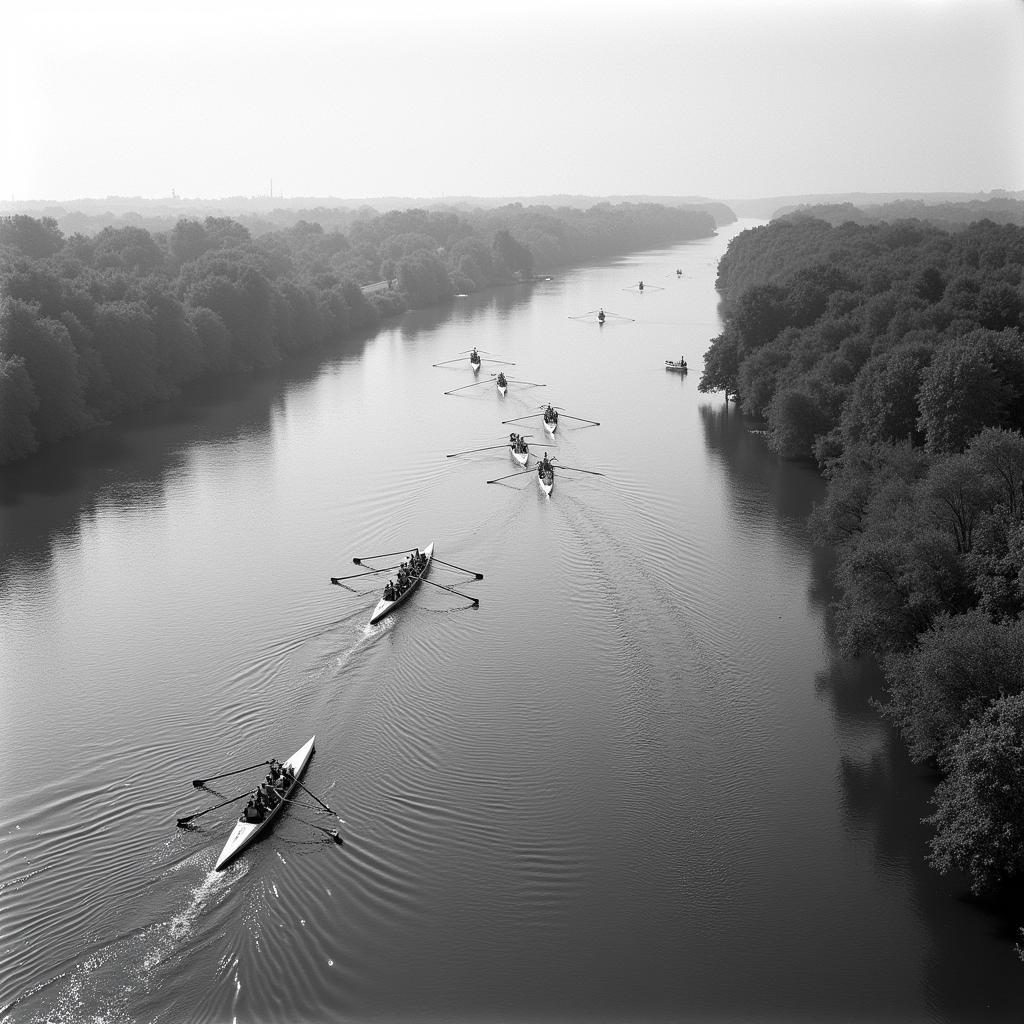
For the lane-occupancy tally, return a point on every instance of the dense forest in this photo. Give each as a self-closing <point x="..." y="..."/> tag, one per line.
<point x="93" y="327"/>
<point x="892" y="354"/>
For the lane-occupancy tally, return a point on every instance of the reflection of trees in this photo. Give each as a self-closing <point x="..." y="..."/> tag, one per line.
<point x="789" y="488"/>
<point x="971" y="970"/>
<point x="45" y="501"/>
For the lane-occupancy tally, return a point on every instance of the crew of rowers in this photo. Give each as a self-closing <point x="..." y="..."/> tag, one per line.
<point x="474" y="356"/>
<point x="408" y="571"/>
<point x="544" y="467"/>
<point x="550" y="414"/>
<point x="518" y="443"/>
<point x="502" y="382"/>
<point x="270" y="793"/>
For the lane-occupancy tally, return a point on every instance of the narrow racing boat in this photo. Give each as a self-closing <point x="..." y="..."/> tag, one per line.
<point x="246" y="832"/>
<point x="475" y="361"/>
<point x="502" y="384"/>
<point x="385" y="607"/>
<point x="679" y="367"/>
<point x="546" y="479"/>
<point x="522" y="457"/>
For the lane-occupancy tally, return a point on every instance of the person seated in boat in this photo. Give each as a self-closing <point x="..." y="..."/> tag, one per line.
<point x="287" y="775"/>
<point x="600" y="315"/>
<point x="252" y="815"/>
<point x="641" y="286"/>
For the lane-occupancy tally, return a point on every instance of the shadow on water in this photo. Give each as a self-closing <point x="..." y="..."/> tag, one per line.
<point x="884" y="799"/>
<point x="884" y="796"/>
<point x="128" y="464"/>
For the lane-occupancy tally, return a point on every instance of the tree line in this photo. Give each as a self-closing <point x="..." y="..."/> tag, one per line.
<point x="892" y="355"/>
<point x="92" y="327"/>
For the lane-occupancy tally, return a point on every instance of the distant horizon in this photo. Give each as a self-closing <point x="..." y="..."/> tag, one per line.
<point x="995" y="192"/>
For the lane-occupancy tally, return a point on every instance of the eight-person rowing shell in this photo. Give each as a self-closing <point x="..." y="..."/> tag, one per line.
<point x="412" y="571"/>
<point x="519" y="448"/>
<point x="546" y="475"/>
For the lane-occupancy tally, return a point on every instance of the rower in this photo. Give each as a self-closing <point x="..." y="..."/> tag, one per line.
<point x="641" y="286"/>
<point x="600" y="315"/>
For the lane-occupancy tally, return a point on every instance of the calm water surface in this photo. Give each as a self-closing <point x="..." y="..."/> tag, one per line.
<point x="636" y="783"/>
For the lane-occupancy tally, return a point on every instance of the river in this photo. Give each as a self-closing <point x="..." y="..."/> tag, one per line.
<point x="635" y="783"/>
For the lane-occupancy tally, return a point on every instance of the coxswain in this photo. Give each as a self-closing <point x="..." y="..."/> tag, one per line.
<point x="252" y="814"/>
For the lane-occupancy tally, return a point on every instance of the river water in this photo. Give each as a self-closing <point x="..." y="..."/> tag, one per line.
<point x="636" y="783"/>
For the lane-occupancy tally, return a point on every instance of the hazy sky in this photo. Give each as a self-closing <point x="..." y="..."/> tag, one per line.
<point x="430" y="98"/>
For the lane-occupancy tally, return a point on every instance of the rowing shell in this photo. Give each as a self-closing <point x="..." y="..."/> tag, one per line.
<point x="551" y="426"/>
<point x="475" y="363"/>
<point x="502" y="389"/>
<point x="521" y="457"/>
<point x="246" y="832"/>
<point x="385" y="607"/>
<point x="676" y="367"/>
<point x="547" y="482"/>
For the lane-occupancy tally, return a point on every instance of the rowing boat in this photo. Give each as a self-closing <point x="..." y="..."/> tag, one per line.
<point x="246" y="832"/>
<point x="475" y="361"/>
<point x="546" y="481"/>
<point x="679" y="367"/>
<point x="521" y="457"/>
<point x="502" y="387"/>
<point x="551" y="425"/>
<point x="385" y="607"/>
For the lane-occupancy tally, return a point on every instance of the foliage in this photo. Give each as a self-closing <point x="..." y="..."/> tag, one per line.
<point x="979" y="805"/>
<point x="93" y="326"/>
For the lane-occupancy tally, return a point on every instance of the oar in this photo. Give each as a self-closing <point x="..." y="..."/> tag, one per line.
<point x="565" y="415"/>
<point x="332" y="832"/>
<point x="470" y="451"/>
<point x="238" y="771"/>
<point x="383" y="554"/>
<point x="316" y="798"/>
<point x="475" y="384"/>
<point x="445" y="362"/>
<point x="532" y="415"/>
<point x="199" y="814"/>
<point x="369" y="572"/>
<point x="452" y="590"/>
<point x="522" y="472"/>
<point x="575" y="470"/>
<point x="531" y="383"/>
<point x="478" y="575"/>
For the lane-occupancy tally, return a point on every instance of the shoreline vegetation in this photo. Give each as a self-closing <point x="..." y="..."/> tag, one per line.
<point x="890" y="353"/>
<point x="96" y="326"/>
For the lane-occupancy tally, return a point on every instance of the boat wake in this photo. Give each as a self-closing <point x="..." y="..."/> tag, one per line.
<point x="112" y="982"/>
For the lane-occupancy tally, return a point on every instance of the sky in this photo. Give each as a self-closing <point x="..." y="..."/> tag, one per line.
<point x="495" y="98"/>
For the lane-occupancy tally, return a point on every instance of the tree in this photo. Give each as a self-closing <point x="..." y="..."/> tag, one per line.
<point x="882" y="405"/>
<point x="51" y="362"/>
<point x="31" y="237"/>
<point x="959" y="666"/>
<point x="971" y="383"/>
<point x="979" y="805"/>
<point x="18" y="402"/>
<point x="516" y="257"/>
